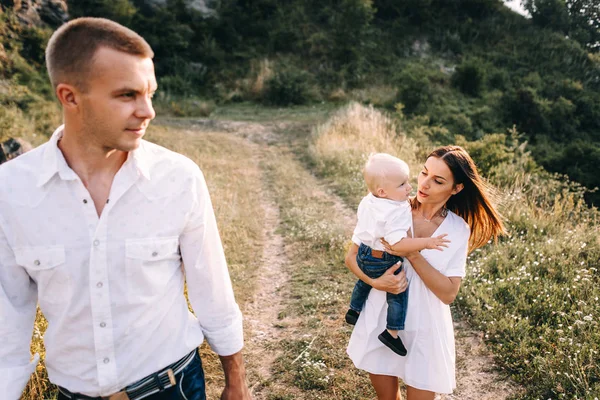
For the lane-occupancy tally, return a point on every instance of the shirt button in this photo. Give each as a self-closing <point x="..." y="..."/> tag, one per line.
<point x="99" y="284"/>
<point x="37" y="262"/>
<point x="102" y="324"/>
<point x="96" y="242"/>
<point x="106" y="360"/>
<point x="84" y="201"/>
<point x="154" y="254"/>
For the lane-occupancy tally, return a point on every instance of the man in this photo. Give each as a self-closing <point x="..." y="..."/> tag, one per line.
<point x="95" y="225"/>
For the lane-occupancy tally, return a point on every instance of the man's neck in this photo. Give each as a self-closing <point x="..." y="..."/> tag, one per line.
<point x="89" y="160"/>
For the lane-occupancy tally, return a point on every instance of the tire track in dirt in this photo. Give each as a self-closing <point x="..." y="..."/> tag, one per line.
<point x="262" y="312"/>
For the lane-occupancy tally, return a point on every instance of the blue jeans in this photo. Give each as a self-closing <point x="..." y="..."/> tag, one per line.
<point x="374" y="268"/>
<point x="190" y="385"/>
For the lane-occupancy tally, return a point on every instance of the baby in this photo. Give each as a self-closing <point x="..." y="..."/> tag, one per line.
<point x="385" y="213"/>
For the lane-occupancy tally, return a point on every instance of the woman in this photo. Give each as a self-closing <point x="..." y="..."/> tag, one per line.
<point x="451" y="199"/>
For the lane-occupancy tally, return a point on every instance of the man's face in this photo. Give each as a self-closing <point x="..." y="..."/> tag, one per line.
<point x="117" y="107"/>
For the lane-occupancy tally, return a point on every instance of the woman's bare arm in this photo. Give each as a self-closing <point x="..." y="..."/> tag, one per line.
<point x="445" y="288"/>
<point x="388" y="282"/>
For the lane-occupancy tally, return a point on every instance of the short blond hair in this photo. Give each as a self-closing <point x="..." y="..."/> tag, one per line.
<point x="71" y="49"/>
<point x="379" y="167"/>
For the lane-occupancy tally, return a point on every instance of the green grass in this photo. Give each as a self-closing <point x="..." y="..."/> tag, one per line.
<point x="256" y="113"/>
<point x="535" y="296"/>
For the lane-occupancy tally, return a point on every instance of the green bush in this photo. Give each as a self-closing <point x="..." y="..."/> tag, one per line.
<point x="288" y="86"/>
<point x="470" y="77"/>
<point x="499" y="79"/>
<point x="459" y="123"/>
<point x="415" y="90"/>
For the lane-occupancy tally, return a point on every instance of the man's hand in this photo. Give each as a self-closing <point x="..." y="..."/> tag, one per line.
<point x="236" y="387"/>
<point x="438" y="242"/>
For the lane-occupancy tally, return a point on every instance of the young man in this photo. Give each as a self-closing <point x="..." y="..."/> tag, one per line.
<point x="95" y="225"/>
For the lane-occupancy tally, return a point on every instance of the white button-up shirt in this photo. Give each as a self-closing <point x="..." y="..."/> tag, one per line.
<point x="111" y="287"/>
<point x="381" y="218"/>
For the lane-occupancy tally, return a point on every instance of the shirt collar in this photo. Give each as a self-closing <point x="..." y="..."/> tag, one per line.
<point x="53" y="160"/>
<point x="141" y="159"/>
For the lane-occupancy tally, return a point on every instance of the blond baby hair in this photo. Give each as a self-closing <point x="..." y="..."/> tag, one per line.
<point x="379" y="167"/>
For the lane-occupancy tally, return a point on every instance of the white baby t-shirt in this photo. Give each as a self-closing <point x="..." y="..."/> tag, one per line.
<point x="381" y="218"/>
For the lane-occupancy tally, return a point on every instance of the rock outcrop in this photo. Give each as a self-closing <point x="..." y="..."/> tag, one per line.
<point x="13" y="148"/>
<point x="206" y="7"/>
<point x="39" y="12"/>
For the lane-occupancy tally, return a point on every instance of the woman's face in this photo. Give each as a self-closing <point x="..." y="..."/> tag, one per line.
<point x="436" y="183"/>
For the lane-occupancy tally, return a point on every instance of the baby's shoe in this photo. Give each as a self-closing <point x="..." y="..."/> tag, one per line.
<point x="352" y="316"/>
<point x="395" y="344"/>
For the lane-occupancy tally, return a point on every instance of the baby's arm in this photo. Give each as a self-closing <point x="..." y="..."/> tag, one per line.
<point x="410" y="245"/>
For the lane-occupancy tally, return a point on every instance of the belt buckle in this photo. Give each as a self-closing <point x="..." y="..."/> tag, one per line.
<point x="122" y="395"/>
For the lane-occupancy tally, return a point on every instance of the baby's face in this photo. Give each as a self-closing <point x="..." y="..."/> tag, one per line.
<point x="396" y="186"/>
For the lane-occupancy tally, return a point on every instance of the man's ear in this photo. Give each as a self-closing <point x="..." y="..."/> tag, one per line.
<point x="458" y="188"/>
<point x="68" y="95"/>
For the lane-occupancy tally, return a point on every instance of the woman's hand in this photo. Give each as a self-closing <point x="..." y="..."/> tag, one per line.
<point x="388" y="282"/>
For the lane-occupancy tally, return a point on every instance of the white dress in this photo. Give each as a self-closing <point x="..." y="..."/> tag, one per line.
<point x="429" y="333"/>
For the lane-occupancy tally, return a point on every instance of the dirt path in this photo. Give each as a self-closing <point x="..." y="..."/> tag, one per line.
<point x="476" y="377"/>
<point x="262" y="313"/>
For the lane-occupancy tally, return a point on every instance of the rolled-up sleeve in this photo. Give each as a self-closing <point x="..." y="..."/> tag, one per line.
<point x="208" y="282"/>
<point x="18" y="299"/>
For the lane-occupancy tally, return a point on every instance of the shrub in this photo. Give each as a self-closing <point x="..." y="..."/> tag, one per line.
<point x="414" y="88"/>
<point x="499" y="79"/>
<point x="459" y="123"/>
<point x="469" y="77"/>
<point x="289" y="85"/>
<point x="377" y="95"/>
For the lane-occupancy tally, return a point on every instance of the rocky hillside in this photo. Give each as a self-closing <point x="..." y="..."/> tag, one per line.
<point x="39" y="12"/>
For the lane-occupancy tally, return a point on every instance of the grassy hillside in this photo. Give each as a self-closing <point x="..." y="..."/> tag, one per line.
<point x="26" y="105"/>
<point x="535" y="294"/>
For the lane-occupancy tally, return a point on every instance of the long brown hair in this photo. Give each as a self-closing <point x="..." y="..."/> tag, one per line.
<point x="474" y="202"/>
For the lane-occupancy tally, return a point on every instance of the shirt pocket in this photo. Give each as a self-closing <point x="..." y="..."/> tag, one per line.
<point x="46" y="266"/>
<point x="151" y="264"/>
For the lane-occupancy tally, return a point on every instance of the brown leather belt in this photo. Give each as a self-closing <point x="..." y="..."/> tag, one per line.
<point x="377" y="253"/>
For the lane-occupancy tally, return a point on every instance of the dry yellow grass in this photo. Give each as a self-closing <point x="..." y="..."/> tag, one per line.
<point x="261" y="72"/>
<point x="341" y="146"/>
